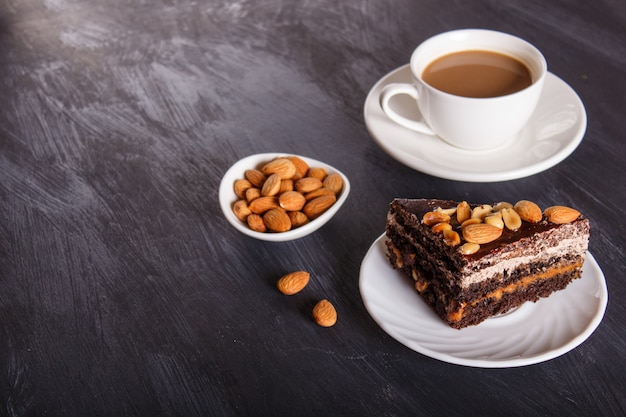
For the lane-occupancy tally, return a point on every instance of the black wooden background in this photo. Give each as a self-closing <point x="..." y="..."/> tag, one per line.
<point x="123" y="290"/>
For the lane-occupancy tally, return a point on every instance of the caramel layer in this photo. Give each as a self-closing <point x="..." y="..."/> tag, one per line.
<point x="457" y="315"/>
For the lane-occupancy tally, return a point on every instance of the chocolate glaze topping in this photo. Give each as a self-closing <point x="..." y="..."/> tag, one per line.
<point x="419" y="207"/>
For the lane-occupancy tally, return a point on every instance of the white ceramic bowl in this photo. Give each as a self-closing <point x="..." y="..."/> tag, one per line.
<point x="227" y="197"/>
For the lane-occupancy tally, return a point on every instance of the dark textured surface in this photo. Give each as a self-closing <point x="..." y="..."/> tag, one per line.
<point x="123" y="291"/>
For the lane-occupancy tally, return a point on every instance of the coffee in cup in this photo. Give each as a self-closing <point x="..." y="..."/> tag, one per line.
<point x="476" y="89"/>
<point x="477" y="74"/>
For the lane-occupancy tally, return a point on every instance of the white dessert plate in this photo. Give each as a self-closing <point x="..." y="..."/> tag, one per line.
<point x="533" y="333"/>
<point x="227" y="197"/>
<point x="554" y="131"/>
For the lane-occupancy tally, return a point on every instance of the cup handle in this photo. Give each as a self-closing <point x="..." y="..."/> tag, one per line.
<point x="387" y="94"/>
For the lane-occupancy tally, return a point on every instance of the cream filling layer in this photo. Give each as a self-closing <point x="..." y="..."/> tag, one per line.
<point x="500" y="266"/>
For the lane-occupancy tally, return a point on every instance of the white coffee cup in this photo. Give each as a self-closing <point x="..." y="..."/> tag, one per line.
<point x="467" y="122"/>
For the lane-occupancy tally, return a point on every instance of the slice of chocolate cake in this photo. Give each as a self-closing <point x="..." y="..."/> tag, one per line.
<point x="471" y="262"/>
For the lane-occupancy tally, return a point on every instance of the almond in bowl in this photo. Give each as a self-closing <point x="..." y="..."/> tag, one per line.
<point x="280" y="196"/>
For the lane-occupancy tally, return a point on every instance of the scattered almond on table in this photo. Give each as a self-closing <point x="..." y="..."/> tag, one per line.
<point x="284" y="194"/>
<point x="293" y="282"/>
<point x="324" y="313"/>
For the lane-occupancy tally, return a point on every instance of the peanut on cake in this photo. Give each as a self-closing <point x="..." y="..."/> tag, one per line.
<point x="471" y="262"/>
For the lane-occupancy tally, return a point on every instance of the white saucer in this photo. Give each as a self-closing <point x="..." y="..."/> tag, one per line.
<point x="533" y="333"/>
<point x="553" y="133"/>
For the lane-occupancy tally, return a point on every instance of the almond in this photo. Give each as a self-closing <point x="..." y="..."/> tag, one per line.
<point x="262" y="204"/>
<point x="241" y="210"/>
<point x="308" y="184"/>
<point x="297" y="218"/>
<point x="293" y="282"/>
<point x="481" y="233"/>
<point x="241" y="186"/>
<point x="256" y="177"/>
<point x="561" y="214"/>
<point x="271" y="186"/>
<point x="255" y="222"/>
<point x="317" y="172"/>
<point x="319" y="205"/>
<point x="333" y="182"/>
<point x="528" y="211"/>
<point x="281" y="166"/>
<point x="324" y="313"/>
<point x="318" y="193"/>
<point x="276" y="220"/>
<point x="291" y="201"/>
<point x="252" y="194"/>
<point x="286" y="185"/>
<point x="301" y="166"/>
